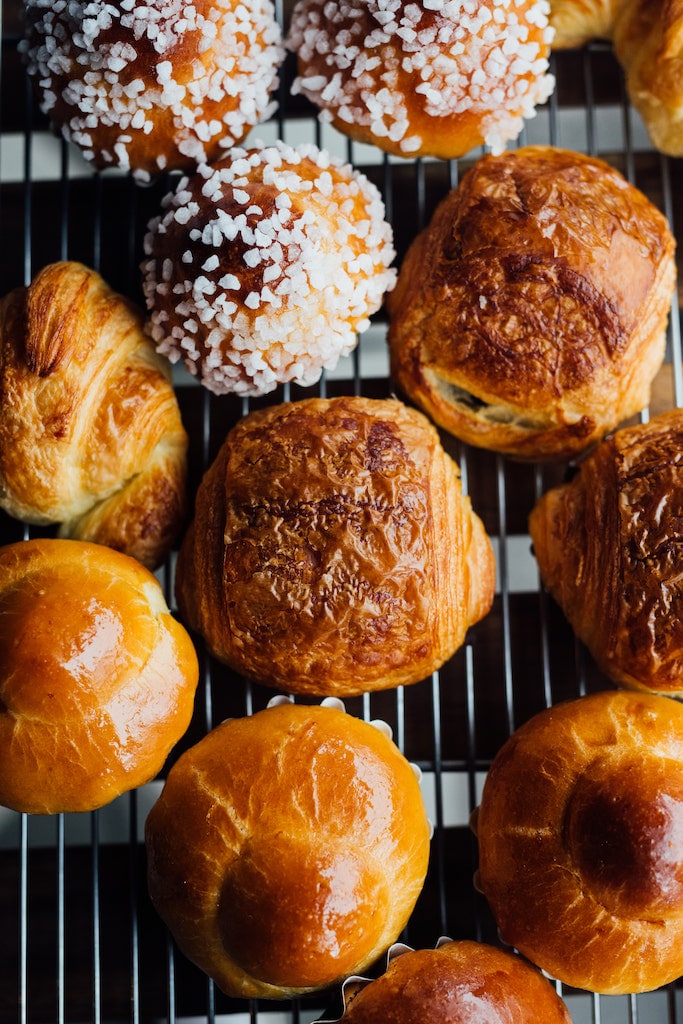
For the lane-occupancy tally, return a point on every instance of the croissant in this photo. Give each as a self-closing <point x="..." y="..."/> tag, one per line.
<point x="608" y="546"/>
<point x="647" y="37"/>
<point x="648" y="42"/>
<point x="579" y="833"/>
<point x="332" y="549"/>
<point x="576" y="22"/>
<point x="90" y="430"/>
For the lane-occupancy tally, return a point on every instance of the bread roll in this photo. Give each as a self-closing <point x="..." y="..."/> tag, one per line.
<point x="90" y="431"/>
<point x="287" y="849"/>
<point x="577" y="22"/>
<point x="648" y="41"/>
<point x="608" y="549"/>
<point x="156" y="86"/>
<point x="332" y="550"/>
<point x="433" y="79"/>
<point x="265" y="266"/>
<point x="97" y="679"/>
<point x="580" y="841"/>
<point x="458" y="983"/>
<point x="529" y="315"/>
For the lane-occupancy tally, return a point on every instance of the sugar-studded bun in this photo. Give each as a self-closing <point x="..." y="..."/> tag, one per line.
<point x="529" y="316"/>
<point x="460" y="982"/>
<point x="90" y="430"/>
<point x="287" y="849"/>
<point x="97" y="679"/>
<point x="433" y="79"/>
<point x="156" y="86"/>
<point x="576" y="22"/>
<point x="332" y="549"/>
<point x="263" y="268"/>
<point x="579" y="833"/>
<point x="607" y="545"/>
<point x="648" y="42"/>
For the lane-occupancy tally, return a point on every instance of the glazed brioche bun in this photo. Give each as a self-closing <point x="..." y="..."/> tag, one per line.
<point x="97" y="679"/>
<point x="264" y="268"/>
<point x="434" y="79"/>
<point x="287" y="849"/>
<point x="460" y="982"/>
<point x="530" y="315"/>
<point x="332" y="549"/>
<point x="153" y="87"/>
<point x="580" y="839"/>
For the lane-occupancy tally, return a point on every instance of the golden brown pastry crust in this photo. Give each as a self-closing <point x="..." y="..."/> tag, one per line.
<point x="608" y="549"/>
<point x="577" y="22"/>
<point x="90" y="430"/>
<point x="97" y="679"/>
<point x="418" y="79"/>
<point x="332" y="550"/>
<point x="157" y="86"/>
<point x="461" y="982"/>
<point x="287" y="849"/>
<point x="648" y="41"/>
<point x="529" y="316"/>
<point x="579" y="833"/>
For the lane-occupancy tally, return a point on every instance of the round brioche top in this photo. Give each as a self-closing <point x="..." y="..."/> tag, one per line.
<point x="287" y="849"/>
<point x="462" y="982"/>
<point x="97" y="679"/>
<point x="580" y="833"/>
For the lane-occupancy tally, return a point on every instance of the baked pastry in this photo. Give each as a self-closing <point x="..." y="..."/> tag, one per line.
<point x="97" y="679"/>
<point x="648" y="42"/>
<point x="529" y="315"/>
<point x="576" y="22"/>
<point x="287" y="849"/>
<point x="431" y="79"/>
<point x="579" y="832"/>
<point x="332" y="550"/>
<point x="608" y="549"/>
<point x="155" y="86"/>
<point x="460" y="982"/>
<point x="263" y="268"/>
<point x="90" y="431"/>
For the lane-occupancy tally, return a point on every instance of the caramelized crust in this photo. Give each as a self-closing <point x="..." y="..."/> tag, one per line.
<point x="648" y="41"/>
<point x="608" y="548"/>
<point x="459" y="983"/>
<point x="529" y="316"/>
<point x="90" y="430"/>
<point x="97" y="679"/>
<point x="287" y="849"/>
<point x="579" y="21"/>
<point x="579" y="833"/>
<point x="332" y="550"/>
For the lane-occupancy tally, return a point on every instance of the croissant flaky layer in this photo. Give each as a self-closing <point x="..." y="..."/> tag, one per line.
<point x="648" y="42"/>
<point x="529" y="315"/>
<point x="90" y="431"/>
<point x="579" y="833"/>
<point x="609" y="547"/>
<point x="332" y="550"/>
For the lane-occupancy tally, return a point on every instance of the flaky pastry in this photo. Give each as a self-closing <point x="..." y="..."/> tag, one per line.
<point x="332" y="549"/>
<point x="579" y="833"/>
<point x="529" y="316"/>
<point x="90" y="430"/>
<point x="287" y="849"/>
<point x="576" y="22"/>
<point x="608" y="546"/>
<point x="97" y="679"/>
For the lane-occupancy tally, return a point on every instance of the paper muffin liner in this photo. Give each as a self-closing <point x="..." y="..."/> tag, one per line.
<point x="355" y="982"/>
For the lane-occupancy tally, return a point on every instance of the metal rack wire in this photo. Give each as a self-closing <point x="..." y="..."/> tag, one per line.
<point x="79" y="940"/>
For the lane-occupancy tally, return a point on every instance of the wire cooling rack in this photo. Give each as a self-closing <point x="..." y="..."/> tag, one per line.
<point x="78" y="939"/>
